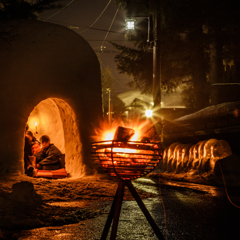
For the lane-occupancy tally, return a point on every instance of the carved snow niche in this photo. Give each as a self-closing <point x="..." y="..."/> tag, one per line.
<point x="185" y="155"/>
<point x="177" y="160"/>
<point x="170" y="156"/>
<point x="55" y="118"/>
<point x="194" y="159"/>
<point x="205" y="162"/>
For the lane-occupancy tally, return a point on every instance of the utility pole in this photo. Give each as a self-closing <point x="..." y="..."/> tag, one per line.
<point x="109" y="105"/>
<point x="156" y="91"/>
<point x="156" y="87"/>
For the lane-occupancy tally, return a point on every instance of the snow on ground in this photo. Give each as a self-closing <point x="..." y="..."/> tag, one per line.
<point x="27" y="203"/>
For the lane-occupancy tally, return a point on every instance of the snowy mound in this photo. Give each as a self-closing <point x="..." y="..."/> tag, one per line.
<point x="220" y="110"/>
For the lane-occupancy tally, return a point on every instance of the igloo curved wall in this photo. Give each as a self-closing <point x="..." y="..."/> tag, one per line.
<point x="46" y="62"/>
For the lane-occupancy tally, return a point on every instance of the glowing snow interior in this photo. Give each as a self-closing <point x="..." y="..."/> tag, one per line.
<point x="55" y="118"/>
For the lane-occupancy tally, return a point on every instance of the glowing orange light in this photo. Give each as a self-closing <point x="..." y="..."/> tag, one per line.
<point x="108" y="135"/>
<point x="124" y="150"/>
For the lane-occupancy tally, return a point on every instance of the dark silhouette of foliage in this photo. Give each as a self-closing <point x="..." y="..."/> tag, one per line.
<point x="23" y="9"/>
<point x="189" y="32"/>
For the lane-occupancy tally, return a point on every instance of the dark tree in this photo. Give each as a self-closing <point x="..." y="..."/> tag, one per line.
<point x="195" y="38"/>
<point x="118" y="107"/>
<point x="20" y="9"/>
<point x="23" y="9"/>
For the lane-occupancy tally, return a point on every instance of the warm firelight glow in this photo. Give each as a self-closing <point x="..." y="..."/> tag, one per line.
<point x="135" y="137"/>
<point x="33" y="123"/>
<point x="124" y="150"/>
<point x="106" y="132"/>
<point x="108" y="135"/>
<point x="123" y="157"/>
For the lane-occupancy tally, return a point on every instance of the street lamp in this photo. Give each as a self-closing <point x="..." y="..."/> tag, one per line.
<point x="148" y="113"/>
<point x="130" y="24"/>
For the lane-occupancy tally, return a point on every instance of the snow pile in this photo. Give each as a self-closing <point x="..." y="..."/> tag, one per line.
<point x="223" y="109"/>
<point x="17" y="206"/>
<point x="24" y="193"/>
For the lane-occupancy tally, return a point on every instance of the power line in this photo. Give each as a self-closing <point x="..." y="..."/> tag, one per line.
<point x="104" y="30"/>
<point x="77" y="27"/>
<point x="68" y="4"/>
<point x="109" y="29"/>
<point x="99" y="51"/>
<point x="115" y="78"/>
<point x="90" y="27"/>
<point x="90" y="40"/>
<point x="97" y="17"/>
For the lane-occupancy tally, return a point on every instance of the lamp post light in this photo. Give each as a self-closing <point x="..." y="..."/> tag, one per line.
<point x="130" y="24"/>
<point x="148" y="113"/>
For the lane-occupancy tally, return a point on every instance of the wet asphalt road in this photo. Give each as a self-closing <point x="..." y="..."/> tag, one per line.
<point x="197" y="212"/>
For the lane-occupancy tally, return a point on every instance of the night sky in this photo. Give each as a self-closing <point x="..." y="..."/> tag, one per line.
<point x="80" y="14"/>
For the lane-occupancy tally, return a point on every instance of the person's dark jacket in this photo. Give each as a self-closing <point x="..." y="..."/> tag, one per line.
<point x="27" y="153"/>
<point x="48" y="158"/>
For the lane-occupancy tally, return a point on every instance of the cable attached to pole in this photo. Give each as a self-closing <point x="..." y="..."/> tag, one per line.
<point x="226" y="187"/>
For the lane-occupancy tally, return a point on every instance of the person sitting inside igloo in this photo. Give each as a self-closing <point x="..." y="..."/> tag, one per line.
<point x="48" y="157"/>
<point x="32" y="146"/>
<point x="35" y="144"/>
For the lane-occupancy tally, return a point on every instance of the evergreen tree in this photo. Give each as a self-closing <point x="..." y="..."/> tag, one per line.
<point x="24" y="9"/>
<point x="118" y="107"/>
<point x="187" y="30"/>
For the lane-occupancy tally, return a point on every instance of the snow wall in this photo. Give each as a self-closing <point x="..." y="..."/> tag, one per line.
<point x="49" y="76"/>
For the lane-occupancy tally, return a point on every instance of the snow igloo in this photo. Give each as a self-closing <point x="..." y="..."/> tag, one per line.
<point x="50" y="79"/>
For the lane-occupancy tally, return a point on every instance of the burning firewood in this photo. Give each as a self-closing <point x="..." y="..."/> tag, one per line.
<point x="123" y="134"/>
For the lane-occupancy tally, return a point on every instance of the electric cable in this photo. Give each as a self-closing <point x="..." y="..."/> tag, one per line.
<point x="109" y="29"/>
<point x="68" y="4"/>
<point x="97" y="17"/>
<point x="226" y="187"/>
<point x="114" y="77"/>
<point x="77" y="26"/>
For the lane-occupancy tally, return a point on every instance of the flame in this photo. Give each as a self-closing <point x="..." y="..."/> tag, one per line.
<point x="106" y="132"/>
<point x="108" y="135"/>
<point x="126" y="160"/>
<point x="124" y="150"/>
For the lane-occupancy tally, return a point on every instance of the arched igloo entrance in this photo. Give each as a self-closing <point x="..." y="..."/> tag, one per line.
<point x="55" y="118"/>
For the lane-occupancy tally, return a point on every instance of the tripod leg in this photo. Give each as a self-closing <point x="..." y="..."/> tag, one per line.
<point x="144" y="210"/>
<point x="120" y="194"/>
<point x="110" y="217"/>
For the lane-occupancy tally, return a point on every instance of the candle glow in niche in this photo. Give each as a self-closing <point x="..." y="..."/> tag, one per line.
<point x="36" y="127"/>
